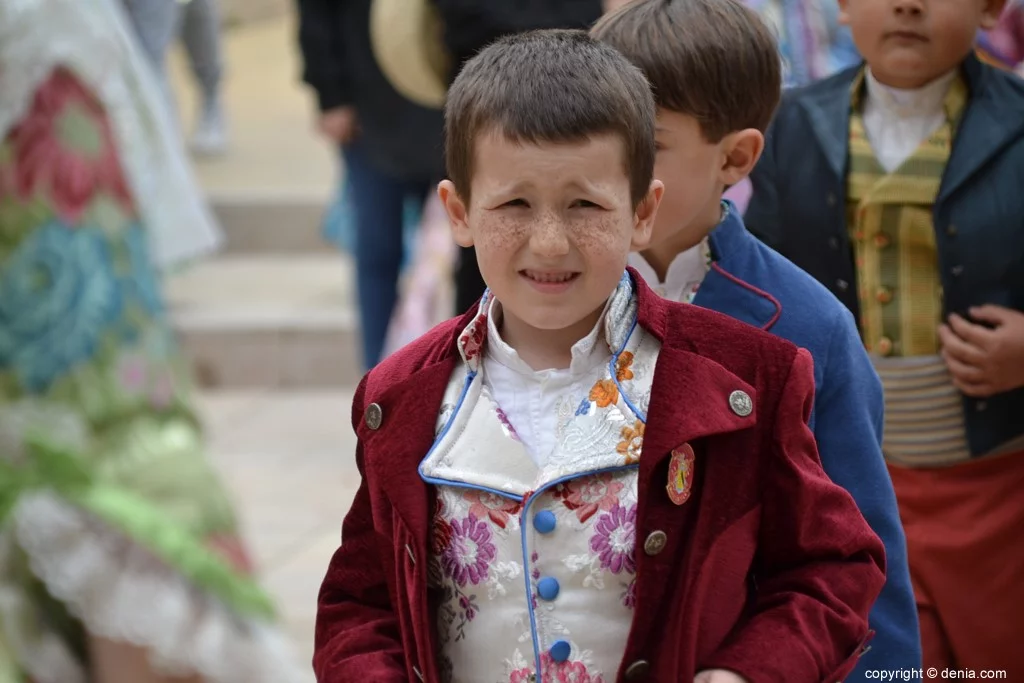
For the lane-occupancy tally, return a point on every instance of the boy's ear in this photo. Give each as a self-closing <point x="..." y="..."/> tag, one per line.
<point x="457" y="213"/>
<point x="741" y="151"/>
<point x="990" y="13"/>
<point x="645" y="215"/>
<point x="844" y="16"/>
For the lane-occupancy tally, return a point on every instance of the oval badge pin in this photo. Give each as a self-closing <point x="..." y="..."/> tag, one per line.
<point x="680" y="474"/>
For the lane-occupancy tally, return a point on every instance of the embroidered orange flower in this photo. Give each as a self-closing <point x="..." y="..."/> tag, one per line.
<point x="623" y="366"/>
<point x="632" y="442"/>
<point x="604" y="393"/>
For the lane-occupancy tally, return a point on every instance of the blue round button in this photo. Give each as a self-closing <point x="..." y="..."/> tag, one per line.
<point x="560" y="651"/>
<point x="547" y="588"/>
<point x="544" y="521"/>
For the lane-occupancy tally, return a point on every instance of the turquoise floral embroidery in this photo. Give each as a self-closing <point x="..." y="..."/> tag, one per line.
<point x="143" y="275"/>
<point x="58" y="294"/>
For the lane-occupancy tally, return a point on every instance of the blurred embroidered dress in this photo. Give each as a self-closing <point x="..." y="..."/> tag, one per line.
<point x="112" y="522"/>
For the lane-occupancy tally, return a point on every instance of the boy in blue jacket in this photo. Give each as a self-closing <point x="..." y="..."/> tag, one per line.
<point x="714" y="68"/>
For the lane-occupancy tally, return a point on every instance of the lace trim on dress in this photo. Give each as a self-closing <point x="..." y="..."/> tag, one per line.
<point x="122" y="592"/>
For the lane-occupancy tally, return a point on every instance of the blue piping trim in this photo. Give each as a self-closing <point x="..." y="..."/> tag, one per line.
<point x="612" y="368"/>
<point x="448" y="425"/>
<point x="523" y="525"/>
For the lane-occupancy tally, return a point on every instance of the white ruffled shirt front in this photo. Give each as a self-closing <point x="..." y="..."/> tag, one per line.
<point x="897" y="121"/>
<point x="529" y="397"/>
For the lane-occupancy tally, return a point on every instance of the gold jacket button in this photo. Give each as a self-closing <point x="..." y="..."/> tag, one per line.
<point x="655" y="543"/>
<point x="374" y="416"/>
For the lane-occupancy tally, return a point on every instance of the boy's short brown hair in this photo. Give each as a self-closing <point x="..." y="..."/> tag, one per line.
<point x="715" y="60"/>
<point x="550" y="86"/>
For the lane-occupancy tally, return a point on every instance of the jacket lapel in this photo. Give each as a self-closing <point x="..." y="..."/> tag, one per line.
<point x="829" y="112"/>
<point x="409" y="410"/>
<point x="986" y="128"/>
<point x="692" y="396"/>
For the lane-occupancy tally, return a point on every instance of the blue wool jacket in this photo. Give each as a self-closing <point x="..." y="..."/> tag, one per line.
<point x="755" y="284"/>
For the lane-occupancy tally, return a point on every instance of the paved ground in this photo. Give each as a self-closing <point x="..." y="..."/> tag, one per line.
<point x="287" y="457"/>
<point x="288" y="460"/>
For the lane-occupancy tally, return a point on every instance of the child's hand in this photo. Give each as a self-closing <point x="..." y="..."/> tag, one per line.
<point x="718" y="676"/>
<point x="985" y="361"/>
<point x="339" y="124"/>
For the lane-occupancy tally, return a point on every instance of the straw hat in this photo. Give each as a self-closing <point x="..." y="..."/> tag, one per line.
<point x="407" y="42"/>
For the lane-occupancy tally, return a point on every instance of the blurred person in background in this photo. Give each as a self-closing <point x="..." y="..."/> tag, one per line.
<point x="391" y="149"/>
<point x="120" y="557"/>
<point x="157" y="23"/>
<point x="1003" y="46"/>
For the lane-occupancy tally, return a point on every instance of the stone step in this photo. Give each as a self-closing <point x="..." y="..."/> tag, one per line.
<point x="268" y="322"/>
<point x="235" y="13"/>
<point x="265" y="224"/>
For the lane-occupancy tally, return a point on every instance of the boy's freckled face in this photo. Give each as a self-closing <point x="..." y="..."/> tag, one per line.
<point x="552" y="225"/>
<point x="689" y="166"/>
<point x="909" y="43"/>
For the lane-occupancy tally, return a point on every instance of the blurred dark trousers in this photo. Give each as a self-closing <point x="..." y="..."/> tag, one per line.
<point x="379" y="206"/>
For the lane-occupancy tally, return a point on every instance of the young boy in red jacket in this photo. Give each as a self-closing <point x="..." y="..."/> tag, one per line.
<point x="578" y="480"/>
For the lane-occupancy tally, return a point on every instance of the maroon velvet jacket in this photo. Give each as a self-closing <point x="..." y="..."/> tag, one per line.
<point x="769" y="569"/>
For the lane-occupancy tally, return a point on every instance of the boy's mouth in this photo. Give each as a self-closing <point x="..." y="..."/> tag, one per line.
<point x="908" y="36"/>
<point x="549" y="281"/>
<point x="549" y="276"/>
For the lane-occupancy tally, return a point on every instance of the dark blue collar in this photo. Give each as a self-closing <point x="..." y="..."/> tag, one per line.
<point x="736" y="255"/>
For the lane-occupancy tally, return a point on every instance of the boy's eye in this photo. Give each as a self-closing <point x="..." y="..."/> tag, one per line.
<point x="517" y="203"/>
<point x="659" y="146"/>
<point x="584" y="204"/>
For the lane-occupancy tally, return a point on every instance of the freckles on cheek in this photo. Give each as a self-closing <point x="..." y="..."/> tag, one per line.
<point x="601" y="235"/>
<point x="497" y="239"/>
<point x="500" y="233"/>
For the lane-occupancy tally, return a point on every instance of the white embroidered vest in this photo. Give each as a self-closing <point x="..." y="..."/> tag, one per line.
<point x="536" y="565"/>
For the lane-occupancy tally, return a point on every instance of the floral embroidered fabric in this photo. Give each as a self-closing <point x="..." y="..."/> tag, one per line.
<point x="536" y="564"/>
<point x="106" y="498"/>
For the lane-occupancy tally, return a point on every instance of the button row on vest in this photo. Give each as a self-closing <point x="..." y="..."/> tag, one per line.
<point x="548" y="588"/>
<point x="544" y="521"/>
<point x="560" y="651"/>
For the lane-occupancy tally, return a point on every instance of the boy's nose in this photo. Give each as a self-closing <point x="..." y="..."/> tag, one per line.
<point x="549" y="238"/>
<point x="908" y="7"/>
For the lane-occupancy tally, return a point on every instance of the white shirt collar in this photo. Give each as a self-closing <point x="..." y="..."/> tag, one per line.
<point x="586" y="353"/>
<point x="927" y="100"/>
<point x="688" y="266"/>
